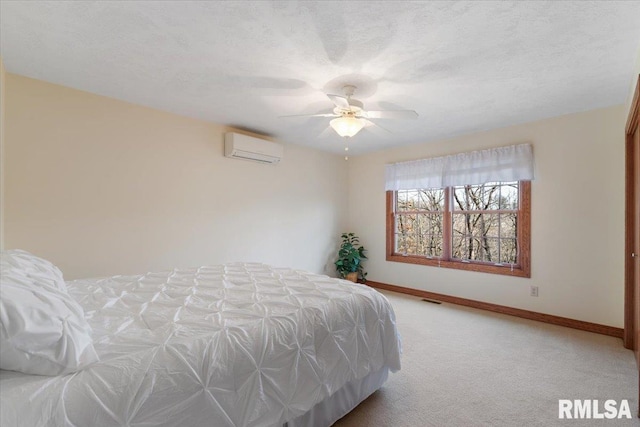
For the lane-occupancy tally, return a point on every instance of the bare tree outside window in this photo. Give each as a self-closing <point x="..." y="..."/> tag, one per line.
<point x="477" y="224"/>
<point x="485" y="222"/>
<point x="419" y="227"/>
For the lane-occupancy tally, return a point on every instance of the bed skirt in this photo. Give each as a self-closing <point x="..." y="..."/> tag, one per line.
<point x="342" y="401"/>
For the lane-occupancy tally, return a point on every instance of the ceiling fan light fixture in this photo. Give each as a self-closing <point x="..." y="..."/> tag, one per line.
<point x="347" y="126"/>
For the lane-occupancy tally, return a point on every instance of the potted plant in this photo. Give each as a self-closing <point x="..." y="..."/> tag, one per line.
<point x="350" y="256"/>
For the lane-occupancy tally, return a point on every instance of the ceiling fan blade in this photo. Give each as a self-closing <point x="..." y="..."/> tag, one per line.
<point x="392" y="114"/>
<point x="311" y="115"/>
<point x="328" y="131"/>
<point x="339" y="101"/>
<point x="376" y="128"/>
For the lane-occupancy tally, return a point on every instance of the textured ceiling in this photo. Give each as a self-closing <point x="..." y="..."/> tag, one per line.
<point x="463" y="66"/>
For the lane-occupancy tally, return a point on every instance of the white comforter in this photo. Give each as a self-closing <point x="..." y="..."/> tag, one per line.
<point x="233" y="345"/>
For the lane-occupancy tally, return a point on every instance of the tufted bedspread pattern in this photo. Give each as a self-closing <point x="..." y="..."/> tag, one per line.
<point x="240" y="344"/>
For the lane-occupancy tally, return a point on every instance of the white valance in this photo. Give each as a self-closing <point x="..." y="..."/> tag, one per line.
<point x="512" y="163"/>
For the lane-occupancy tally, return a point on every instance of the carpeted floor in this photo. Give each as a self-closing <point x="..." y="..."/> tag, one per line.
<point x="468" y="367"/>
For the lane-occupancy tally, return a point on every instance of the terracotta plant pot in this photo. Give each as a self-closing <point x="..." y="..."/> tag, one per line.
<point x="352" y="276"/>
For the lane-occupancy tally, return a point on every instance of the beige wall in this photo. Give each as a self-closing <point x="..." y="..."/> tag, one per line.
<point x="2" y="115"/>
<point x="577" y="218"/>
<point x="103" y="187"/>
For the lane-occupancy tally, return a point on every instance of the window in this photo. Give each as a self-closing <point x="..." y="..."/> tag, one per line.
<point x="471" y="227"/>
<point x="470" y="211"/>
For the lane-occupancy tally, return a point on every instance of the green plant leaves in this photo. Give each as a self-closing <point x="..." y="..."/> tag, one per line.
<point x="350" y="256"/>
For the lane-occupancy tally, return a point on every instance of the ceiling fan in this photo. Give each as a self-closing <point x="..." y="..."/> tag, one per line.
<point x="350" y="116"/>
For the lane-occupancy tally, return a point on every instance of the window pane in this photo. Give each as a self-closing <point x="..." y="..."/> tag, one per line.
<point x="401" y="243"/>
<point x="480" y="236"/>
<point x="460" y="198"/>
<point x="432" y="224"/>
<point x="406" y="244"/>
<point x="421" y="234"/>
<point x="508" y="225"/>
<point x="423" y="200"/>
<point x="491" y="196"/>
<point x="490" y="225"/>
<point x="421" y="227"/>
<point x="490" y="249"/>
<point x="480" y="224"/>
<point x="410" y="223"/>
<point x="474" y="197"/>
<point x="435" y="223"/>
<point x="496" y="250"/>
<point x="509" y="196"/>
<point x="413" y="199"/>
<point x="508" y="251"/>
<point x="481" y="250"/>
<point x="401" y="201"/>
<point x="474" y="248"/>
<point x="485" y="197"/>
<point x="432" y="200"/>
<point x="430" y="245"/>
<point x="467" y="246"/>
<point x="434" y="240"/>
<point x="426" y="225"/>
<point x="434" y="247"/>
<point x="401" y="224"/>
<point x="476" y="224"/>
<point x="459" y="247"/>
<point x="420" y="244"/>
<point x="460" y="224"/>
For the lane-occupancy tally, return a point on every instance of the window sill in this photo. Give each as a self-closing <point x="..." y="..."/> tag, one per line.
<point x="507" y="270"/>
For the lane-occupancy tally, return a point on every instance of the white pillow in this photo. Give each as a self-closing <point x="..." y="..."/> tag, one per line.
<point x="42" y="328"/>
<point x="32" y="266"/>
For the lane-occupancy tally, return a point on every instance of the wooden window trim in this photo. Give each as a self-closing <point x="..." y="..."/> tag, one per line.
<point x="522" y="269"/>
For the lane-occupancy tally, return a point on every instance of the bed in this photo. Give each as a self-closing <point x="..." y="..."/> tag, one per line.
<point x="240" y="344"/>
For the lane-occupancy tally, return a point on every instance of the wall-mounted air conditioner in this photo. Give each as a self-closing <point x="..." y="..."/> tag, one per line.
<point x="238" y="146"/>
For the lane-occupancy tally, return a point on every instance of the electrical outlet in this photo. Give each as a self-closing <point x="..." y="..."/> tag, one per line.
<point x="533" y="291"/>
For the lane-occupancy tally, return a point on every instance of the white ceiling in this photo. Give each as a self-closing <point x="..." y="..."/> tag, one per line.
<point x="463" y="66"/>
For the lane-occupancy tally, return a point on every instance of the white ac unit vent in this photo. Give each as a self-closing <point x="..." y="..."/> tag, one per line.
<point x="243" y="147"/>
